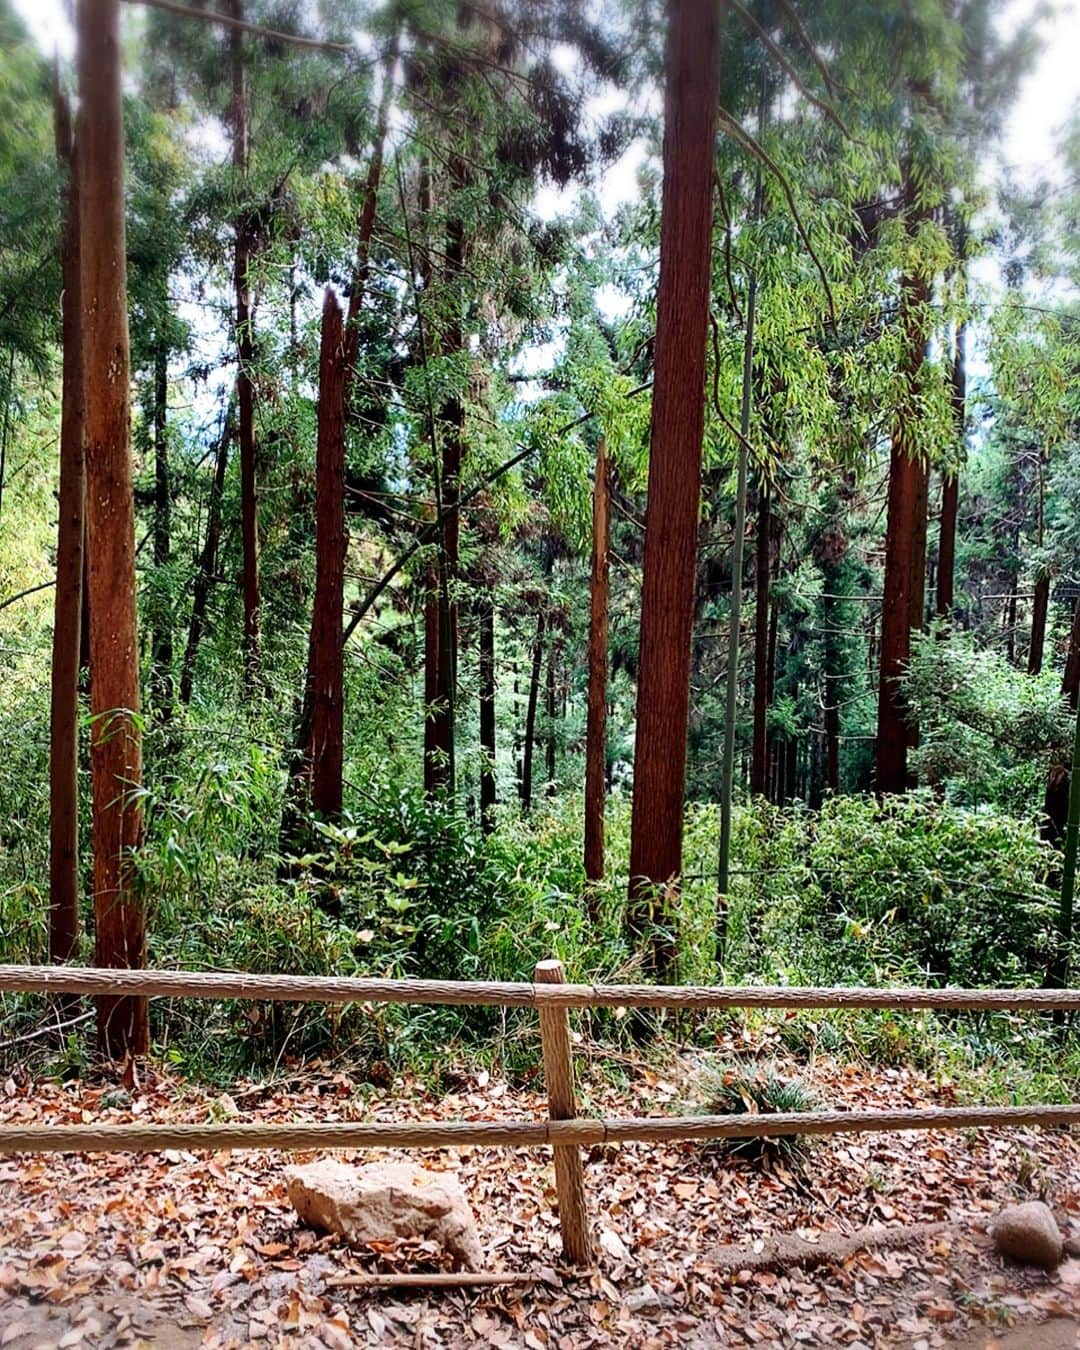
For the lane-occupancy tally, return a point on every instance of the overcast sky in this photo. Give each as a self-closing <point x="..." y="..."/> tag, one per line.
<point x="1046" y="98"/>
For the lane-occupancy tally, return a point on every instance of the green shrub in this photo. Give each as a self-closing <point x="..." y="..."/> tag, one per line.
<point x="755" y="1090"/>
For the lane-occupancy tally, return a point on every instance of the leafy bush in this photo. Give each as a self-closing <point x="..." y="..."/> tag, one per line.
<point x="908" y="889"/>
<point x="987" y="730"/>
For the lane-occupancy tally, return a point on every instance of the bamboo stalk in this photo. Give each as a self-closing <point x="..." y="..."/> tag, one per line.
<point x="343" y="989"/>
<point x="560" y="1133"/>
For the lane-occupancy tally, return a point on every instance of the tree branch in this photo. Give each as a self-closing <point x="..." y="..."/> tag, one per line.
<point x="755" y="148"/>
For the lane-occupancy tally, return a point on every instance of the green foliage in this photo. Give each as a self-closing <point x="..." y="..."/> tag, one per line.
<point x="757" y="1090"/>
<point x="987" y="731"/>
<point x="909" y="890"/>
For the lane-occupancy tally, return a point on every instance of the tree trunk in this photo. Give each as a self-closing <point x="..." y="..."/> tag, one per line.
<point x="487" y="712"/>
<point x="453" y="433"/>
<point x="950" y="483"/>
<point x="1056" y="801"/>
<point x="530" y="717"/>
<point x="1041" y="600"/>
<point x="245" y="346"/>
<point x="759" y="770"/>
<point x="549" y="709"/>
<point x="162" y="642"/>
<point x="902" y="533"/>
<point x="1039" y="609"/>
<point x="325" y="750"/>
<point x="731" y="704"/>
<point x="918" y="582"/>
<point x="67" y="613"/>
<point x="596" y="715"/>
<point x="366" y="224"/>
<point x="435" y="774"/>
<point x="207" y="565"/>
<point x="120" y="921"/>
<point x="671" y="532"/>
<point x="84" y="609"/>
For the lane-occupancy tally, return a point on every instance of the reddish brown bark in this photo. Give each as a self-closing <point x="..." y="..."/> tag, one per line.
<point x="245" y="349"/>
<point x="70" y="562"/>
<point x="1039" y="609"/>
<point x="918" y="545"/>
<point x="759" y="765"/>
<point x="1041" y="599"/>
<point x="116" y="755"/>
<point x="674" y="488"/>
<point x="325" y="751"/>
<point x="904" y="576"/>
<point x="596" y="715"/>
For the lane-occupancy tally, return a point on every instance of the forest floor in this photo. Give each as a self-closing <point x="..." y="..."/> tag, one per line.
<point x="183" y="1250"/>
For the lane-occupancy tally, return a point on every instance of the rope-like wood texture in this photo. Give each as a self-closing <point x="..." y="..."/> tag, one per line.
<point x="308" y="1136"/>
<point x="342" y="989"/>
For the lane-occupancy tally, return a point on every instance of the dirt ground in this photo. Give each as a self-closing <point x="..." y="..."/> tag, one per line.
<point x="694" y="1248"/>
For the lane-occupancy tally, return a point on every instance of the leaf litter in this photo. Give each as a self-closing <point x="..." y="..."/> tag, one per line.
<point x="178" y="1249"/>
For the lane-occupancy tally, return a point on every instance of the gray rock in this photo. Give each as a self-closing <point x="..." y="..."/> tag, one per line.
<point x="386" y="1201"/>
<point x="1028" y="1233"/>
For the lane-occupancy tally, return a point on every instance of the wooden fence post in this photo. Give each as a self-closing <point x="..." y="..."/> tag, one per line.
<point x="559" y="1078"/>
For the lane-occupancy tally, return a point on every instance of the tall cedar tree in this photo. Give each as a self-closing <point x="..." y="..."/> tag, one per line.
<point x="245" y="347"/>
<point x="671" y="522"/>
<point x="906" y="508"/>
<point x="596" y="716"/>
<point x="325" y="752"/>
<point x="68" y="607"/>
<point x="116" y="756"/>
<point x="300" y="766"/>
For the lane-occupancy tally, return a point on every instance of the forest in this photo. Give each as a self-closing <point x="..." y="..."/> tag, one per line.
<point x="389" y="680"/>
<point x="502" y="480"/>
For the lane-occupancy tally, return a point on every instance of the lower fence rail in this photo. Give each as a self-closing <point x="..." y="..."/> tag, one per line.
<point x="564" y="1131"/>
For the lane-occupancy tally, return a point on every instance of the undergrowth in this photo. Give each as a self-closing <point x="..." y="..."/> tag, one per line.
<point x="914" y="891"/>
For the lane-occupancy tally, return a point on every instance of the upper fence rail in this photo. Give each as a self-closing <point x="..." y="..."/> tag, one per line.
<point x="221" y="984"/>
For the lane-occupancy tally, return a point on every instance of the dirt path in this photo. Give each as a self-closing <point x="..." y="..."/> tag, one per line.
<point x="1057" y="1334"/>
<point x="179" y="1250"/>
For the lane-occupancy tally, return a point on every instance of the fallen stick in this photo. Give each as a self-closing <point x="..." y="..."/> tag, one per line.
<point x="435" y="1280"/>
<point x="831" y="1249"/>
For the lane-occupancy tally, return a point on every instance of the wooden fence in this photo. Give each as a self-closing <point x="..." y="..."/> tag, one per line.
<point x="564" y="1130"/>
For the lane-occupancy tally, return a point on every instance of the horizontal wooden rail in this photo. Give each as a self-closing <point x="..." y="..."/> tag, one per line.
<point x="342" y="989"/>
<point x="450" y="1134"/>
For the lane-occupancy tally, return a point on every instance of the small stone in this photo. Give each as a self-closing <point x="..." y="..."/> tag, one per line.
<point x="386" y="1201"/>
<point x="638" y="1300"/>
<point x="1028" y="1233"/>
<point x="1072" y="1245"/>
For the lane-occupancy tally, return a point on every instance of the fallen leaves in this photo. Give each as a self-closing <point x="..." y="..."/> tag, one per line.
<point x="103" y="1249"/>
